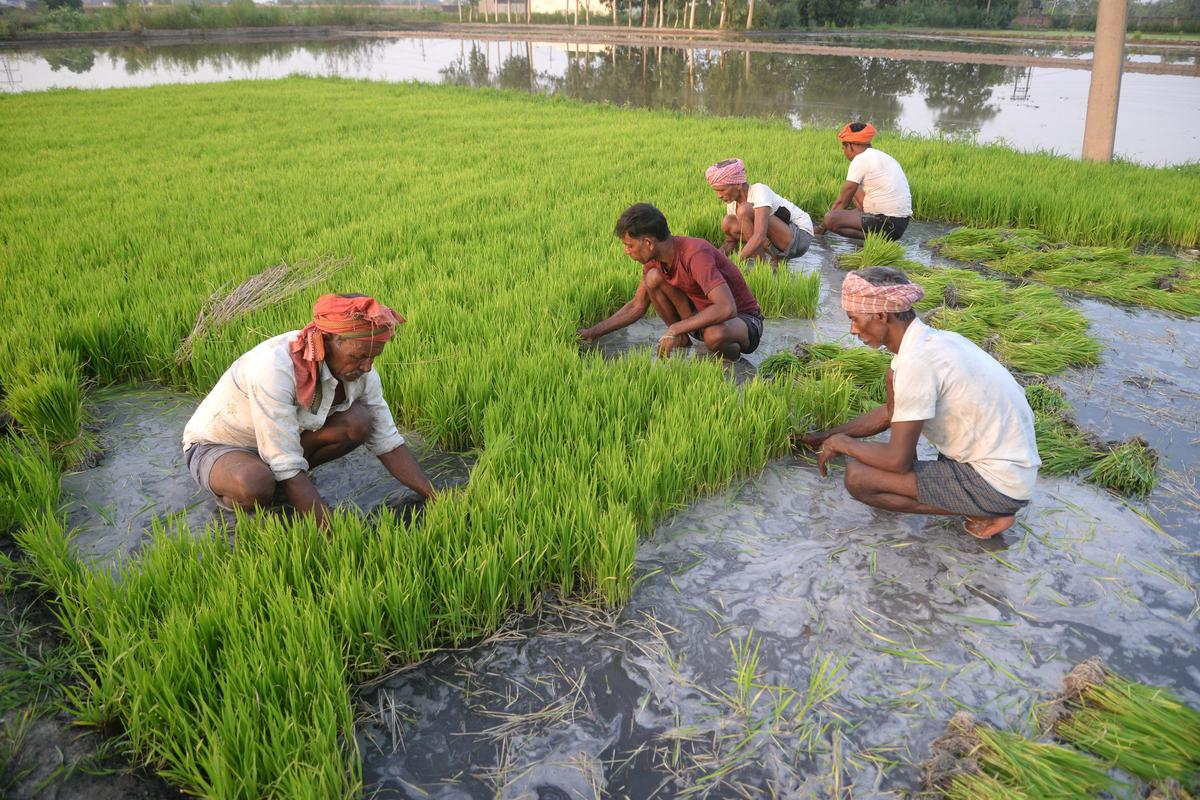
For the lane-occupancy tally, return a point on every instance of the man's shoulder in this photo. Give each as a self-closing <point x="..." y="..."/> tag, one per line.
<point x="269" y="356"/>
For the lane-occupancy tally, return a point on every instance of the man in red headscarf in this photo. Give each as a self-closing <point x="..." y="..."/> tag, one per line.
<point x="296" y="401"/>
<point x="875" y="183"/>
<point x="943" y="386"/>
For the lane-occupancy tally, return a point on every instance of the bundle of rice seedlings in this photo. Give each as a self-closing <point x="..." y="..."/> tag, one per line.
<point x="1146" y="731"/>
<point x="1117" y="273"/>
<point x="783" y="363"/>
<point x="876" y="251"/>
<point x="1045" y="399"/>
<point x="1063" y="447"/>
<point x="267" y="288"/>
<point x="975" y="762"/>
<point x="1128" y="468"/>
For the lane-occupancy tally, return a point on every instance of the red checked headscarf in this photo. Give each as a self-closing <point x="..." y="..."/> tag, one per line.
<point x="857" y="137"/>
<point x="859" y="296"/>
<point x="350" y="317"/>
<point x="726" y="174"/>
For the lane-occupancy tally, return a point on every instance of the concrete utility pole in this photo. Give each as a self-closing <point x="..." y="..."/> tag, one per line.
<point x="1108" y="61"/>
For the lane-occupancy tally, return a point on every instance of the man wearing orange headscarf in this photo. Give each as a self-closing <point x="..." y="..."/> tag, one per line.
<point x="946" y="388"/>
<point x="875" y="183"/>
<point x="296" y="401"/>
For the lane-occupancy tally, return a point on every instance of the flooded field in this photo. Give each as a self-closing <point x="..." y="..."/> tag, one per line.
<point x="1027" y="107"/>
<point x="781" y="636"/>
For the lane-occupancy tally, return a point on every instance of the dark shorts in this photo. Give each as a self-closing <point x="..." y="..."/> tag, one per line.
<point x="801" y="239"/>
<point x="891" y="227"/>
<point x="957" y="487"/>
<point x="201" y="457"/>
<point x="754" y="329"/>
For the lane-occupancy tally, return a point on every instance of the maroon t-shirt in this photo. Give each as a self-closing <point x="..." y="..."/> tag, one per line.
<point x="698" y="267"/>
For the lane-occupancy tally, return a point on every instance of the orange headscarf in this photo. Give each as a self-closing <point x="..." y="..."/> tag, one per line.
<point x="857" y="137"/>
<point x="351" y="317"/>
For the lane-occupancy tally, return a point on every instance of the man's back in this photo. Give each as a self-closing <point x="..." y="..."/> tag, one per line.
<point x="974" y="411"/>
<point x="698" y="267"/>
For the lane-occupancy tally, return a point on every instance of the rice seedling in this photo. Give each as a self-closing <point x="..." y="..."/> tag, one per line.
<point x="1146" y="731"/>
<point x="1128" y="467"/>
<point x="976" y="761"/>
<point x="228" y="666"/>
<point x="1028" y="328"/>
<point x="1116" y="273"/>
<point x="784" y="293"/>
<point x="876" y="251"/>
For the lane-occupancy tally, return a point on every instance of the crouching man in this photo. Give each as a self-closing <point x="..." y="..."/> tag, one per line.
<point x="696" y="290"/>
<point x="296" y="401"/>
<point x="942" y="385"/>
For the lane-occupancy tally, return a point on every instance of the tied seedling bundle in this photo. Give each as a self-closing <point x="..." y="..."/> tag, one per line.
<point x="976" y="762"/>
<point x="1115" y="273"/>
<point x="1146" y="731"/>
<point x="1028" y="328"/>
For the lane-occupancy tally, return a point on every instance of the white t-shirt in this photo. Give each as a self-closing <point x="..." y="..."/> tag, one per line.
<point x="762" y="195"/>
<point x="884" y="186"/>
<point x="974" y="411"/>
<point x="254" y="405"/>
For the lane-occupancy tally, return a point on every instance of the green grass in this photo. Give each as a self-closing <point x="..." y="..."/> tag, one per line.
<point x="228" y="667"/>
<point x="1039" y="769"/>
<point x="1115" y="273"/>
<point x="784" y="293"/>
<point x="1144" y="730"/>
<point x="1027" y="328"/>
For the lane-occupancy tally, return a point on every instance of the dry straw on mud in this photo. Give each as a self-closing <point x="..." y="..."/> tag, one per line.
<point x="267" y="288"/>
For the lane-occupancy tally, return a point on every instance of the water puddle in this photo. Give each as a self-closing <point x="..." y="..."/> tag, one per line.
<point x="781" y="637"/>
<point x="141" y="475"/>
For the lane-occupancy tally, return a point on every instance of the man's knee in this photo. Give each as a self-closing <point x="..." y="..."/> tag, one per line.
<point x="856" y="479"/>
<point x="654" y="279"/>
<point x="252" y="486"/>
<point x="730" y="226"/>
<point x="715" y="336"/>
<point x="357" y="424"/>
<point x="829" y="221"/>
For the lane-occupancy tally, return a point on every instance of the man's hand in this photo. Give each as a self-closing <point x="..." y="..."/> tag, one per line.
<point x="586" y="335"/>
<point x="813" y="439"/>
<point x="666" y="343"/>
<point x="830" y="448"/>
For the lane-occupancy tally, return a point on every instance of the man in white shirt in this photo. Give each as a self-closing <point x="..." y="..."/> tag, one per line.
<point x="756" y="218"/>
<point x="942" y="385"/>
<point x="875" y="183"/>
<point x="296" y="401"/>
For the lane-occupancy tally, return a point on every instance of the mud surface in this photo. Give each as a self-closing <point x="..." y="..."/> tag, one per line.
<point x="141" y="475"/>
<point x="781" y="637"/>
<point x="888" y="623"/>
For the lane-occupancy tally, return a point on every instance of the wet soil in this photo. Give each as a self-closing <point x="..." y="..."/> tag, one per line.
<point x="918" y="619"/>
<point x="781" y="637"/>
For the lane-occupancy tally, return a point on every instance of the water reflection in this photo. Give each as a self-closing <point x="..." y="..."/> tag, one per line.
<point x="1028" y="107"/>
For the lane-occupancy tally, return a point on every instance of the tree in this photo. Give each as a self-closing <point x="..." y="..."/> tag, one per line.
<point x="74" y="5"/>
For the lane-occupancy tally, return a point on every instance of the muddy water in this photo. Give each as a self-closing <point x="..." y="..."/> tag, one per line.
<point x="911" y="617"/>
<point x="1030" y="108"/>
<point x="141" y="475"/>
<point x="867" y="629"/>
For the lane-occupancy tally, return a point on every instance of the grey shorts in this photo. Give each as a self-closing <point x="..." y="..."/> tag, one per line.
<point x="801" y="239"/>
<point x="754" y="329"/>
<point x="202" y="456"/>
<point x="959" y="488"/>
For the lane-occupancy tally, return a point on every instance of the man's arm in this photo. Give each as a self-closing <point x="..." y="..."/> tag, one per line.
<point x="404" y="468"/>
<point x="302" y="493"/>
<point x="877" y="420"/>
<point x="757" y="243"/>
<point x="723" y="308"/>
<point x="894" y="455"/>
<point x="628" y="314"/>
<point x="849" y="189"/>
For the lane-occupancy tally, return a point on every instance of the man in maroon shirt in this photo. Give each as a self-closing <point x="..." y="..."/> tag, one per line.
<point x="695" y="288"/>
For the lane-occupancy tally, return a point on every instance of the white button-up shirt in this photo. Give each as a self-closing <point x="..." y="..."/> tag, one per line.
<point x="254" y="405"/>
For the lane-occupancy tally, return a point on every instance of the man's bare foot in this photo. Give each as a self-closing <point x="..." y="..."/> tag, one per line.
<point x="819" y="229"/>
<point x="987" y="527"/>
